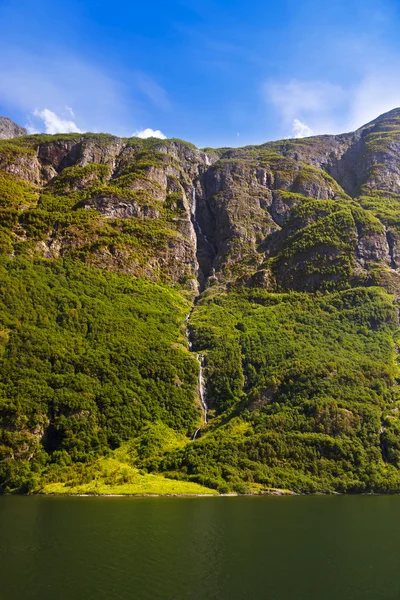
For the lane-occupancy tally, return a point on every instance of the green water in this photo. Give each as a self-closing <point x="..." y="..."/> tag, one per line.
<point x="296" y="548"/>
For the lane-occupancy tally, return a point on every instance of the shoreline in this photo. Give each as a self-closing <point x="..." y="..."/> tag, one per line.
<point x="275" y="493"/>
<point x="272" y="493"/>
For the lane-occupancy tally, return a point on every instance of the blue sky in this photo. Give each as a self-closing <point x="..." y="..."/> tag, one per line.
<point x="217" y="73"/>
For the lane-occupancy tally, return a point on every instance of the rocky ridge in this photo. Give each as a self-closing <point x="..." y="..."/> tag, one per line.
<point x="9" y="129"/>
<point x="246" y="200"/>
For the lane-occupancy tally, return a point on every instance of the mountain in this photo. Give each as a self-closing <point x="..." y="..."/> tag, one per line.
<point x="9" y="129"/>
<point x="183" y="320"/>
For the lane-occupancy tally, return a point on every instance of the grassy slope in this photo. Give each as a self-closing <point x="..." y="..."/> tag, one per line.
<point x="116" y="473"/>
<point x="112" y="476"/>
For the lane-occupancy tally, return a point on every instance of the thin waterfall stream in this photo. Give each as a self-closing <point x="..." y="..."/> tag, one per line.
<point x="200" y="357"/>
<point x="202" y="385"/>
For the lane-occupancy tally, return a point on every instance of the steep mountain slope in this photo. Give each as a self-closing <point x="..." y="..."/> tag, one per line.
<point x="9" y="129"/>
<point x="285" y="256"/>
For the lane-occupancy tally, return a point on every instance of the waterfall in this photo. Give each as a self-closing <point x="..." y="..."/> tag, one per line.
<point x="200" y="357"/>
<point x="201" y="380"/>
<point x="202" y="386"/>
<point x="195" y="434"/>
<point x="202" y="392"/>
<point x="189" y="339"/>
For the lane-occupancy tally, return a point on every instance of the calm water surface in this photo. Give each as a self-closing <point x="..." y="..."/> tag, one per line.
<point x="299" y="548"/>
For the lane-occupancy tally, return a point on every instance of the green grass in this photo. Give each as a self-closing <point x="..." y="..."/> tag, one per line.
<point x="118" y="472"/>
<point x="132" y="483"/>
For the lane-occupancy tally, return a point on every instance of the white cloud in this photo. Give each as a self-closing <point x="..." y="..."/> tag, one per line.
<point x="318" y="107"/>
<point x="147" y="133"/>
<point x="104" y="100"/>
<point x="60" y="81"/>
<point x="70" y="111"/>
<point x="54" y="124"/>
<point x="304" y="96"/>
<point x="299" y="102"/>
<point x="300" y="130"/>
<point x="31" y="129"/>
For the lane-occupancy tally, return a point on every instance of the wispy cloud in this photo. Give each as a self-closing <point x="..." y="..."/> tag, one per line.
<point x="305" y="96"/>
<point x="307" y="107"/>
<point x="300" y="130"/>
<point x="29" y="81"/>
<point x="376" y="93"/>
<point x="70" y="111"/>
<point x="147" y="133"/>
<point x="152" y="90"/>
<point x="56" y="81"/>
<point x="314" y="102"/>
<point x="54" y="124"/>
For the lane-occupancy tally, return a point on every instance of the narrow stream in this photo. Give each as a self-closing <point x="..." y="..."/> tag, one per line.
<point x="201" y="380"/>
<point x="202" y="392"/>
<point x="200" y="357"/>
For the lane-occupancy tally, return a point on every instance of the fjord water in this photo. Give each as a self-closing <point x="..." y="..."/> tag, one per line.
<point x="290" y="548"/>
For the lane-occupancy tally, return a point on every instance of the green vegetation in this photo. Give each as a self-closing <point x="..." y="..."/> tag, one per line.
<point x="115" y="474"/>
<point x="98" y="389"/>
<point x="10" y="149"/>
<point x="88" y="357"/>
<point x="77" y="178"/>
<point x="15" y="193"/>
<point x="132" y="483"/>
<point x="385" y="206"/>
<point x="319" y="255"/>
<point x="299" y="383"/>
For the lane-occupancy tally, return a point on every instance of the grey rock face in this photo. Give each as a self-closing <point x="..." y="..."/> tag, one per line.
<point x="231" y="214"/>
<point x="9" y="129"/>
<point x="114" y="207"/>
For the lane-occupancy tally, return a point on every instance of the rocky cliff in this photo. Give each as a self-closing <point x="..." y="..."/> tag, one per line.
<point x="9" y="129"/>
<point x="287" y="257"/>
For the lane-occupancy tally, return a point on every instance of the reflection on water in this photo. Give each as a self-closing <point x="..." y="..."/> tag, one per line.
<point x="295" y="548"/>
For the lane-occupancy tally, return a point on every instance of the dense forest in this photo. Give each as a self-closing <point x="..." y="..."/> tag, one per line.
<point x="125" y="260"/>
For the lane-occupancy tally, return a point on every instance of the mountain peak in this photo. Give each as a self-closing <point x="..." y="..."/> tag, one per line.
<point x="9" y="129"/>
<point x="388" y="116"/>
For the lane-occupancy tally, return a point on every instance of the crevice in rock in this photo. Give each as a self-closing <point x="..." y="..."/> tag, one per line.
<point x="205" y="249"/>
<point x="391" y="241"/>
